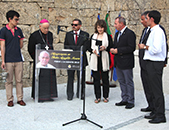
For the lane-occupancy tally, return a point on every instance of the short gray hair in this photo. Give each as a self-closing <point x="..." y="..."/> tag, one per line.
<point x="42" y="52"/>
<point x="121" y="19"/>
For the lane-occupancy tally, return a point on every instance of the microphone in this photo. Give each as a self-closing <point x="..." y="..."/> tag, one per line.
<point x="58" y="30"/>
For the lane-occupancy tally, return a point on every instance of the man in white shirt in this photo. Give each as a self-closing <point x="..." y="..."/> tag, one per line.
<point x="155" y="54"/>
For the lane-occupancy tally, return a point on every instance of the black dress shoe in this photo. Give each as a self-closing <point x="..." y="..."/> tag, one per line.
<point x="129" y="106"/>
<point x="148" y="109"/>
<point x="69" y="98"/>
<point x="121" y="103"/>
<point x="150" y="116"/>
<point x="50" y="99"/>
<point x="41" y="101"/>
<point x="158" y="120"/>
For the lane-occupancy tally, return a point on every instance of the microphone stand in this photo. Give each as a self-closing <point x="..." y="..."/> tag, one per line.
<point x="82" y="76"/>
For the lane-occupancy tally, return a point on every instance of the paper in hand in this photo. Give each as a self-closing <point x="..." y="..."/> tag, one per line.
<point x="97" y="50"/>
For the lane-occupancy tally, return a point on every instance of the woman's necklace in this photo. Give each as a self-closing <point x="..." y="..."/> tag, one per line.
<point x="46" y="47"/>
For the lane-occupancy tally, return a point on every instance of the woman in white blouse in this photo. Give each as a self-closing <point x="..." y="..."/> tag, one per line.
<point x="100" y="61"/>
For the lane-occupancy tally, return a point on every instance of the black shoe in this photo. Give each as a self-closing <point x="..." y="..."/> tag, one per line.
<point x="69" y="98"/>
<point x="82" y="97"/>
<point x="150" y="116"/>
<point x="148" y="109"/>
<point x="50" y="100"/>
<point x="121" y="103"/>
<point x="129" y="106"/>
<point x="40" y="101"/>
<point x="158" y="120"/>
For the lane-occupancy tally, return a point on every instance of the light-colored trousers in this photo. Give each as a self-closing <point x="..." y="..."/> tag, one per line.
<point x="14" y="68"/>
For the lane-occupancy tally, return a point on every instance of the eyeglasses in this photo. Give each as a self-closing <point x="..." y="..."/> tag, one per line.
<point x="16" y="19"/>
<point x="74" y="24"/>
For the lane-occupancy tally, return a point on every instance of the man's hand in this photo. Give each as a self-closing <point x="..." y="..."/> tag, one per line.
<point x="3" y="65"/>
<point x="114" y="51"/>
<point x="141" y="46"/>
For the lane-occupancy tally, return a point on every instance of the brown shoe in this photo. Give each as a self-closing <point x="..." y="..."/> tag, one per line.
<point x="10" y="104"/>
<point x="22" y="103"/>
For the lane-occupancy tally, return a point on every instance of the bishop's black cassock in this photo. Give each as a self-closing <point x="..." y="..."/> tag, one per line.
<point x="47" y="77"/>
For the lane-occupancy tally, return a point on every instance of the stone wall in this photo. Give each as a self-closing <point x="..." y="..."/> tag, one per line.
<point x="62" y="12"/>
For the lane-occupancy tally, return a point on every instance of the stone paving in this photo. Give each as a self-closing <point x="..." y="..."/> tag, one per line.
<point x="52" y="115"/>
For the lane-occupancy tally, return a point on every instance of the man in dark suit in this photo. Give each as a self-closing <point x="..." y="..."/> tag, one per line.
<point x="123" y="48"/>
<point x="74" y="40"/>
<point x="144" y="78"/>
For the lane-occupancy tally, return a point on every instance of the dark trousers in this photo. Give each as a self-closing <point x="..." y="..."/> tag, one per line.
<point x="146" y="87"/>
<point x="155" y="71"/>
<point x="70" y="86"/>
<point x="97" y="86"/>
<point x="70" y="82"/>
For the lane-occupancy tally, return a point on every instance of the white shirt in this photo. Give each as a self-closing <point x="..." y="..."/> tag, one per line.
<point x="120" y="33"/>
<point x="48" y="66"/>
<point x="157" y="45"/>
<point x="123" y="30"/>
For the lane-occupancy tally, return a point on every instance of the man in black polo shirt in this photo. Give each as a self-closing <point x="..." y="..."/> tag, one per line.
<point x="11" y="39"/>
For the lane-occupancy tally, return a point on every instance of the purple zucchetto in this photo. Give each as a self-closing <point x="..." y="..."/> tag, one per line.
<point x="44" y="21"/>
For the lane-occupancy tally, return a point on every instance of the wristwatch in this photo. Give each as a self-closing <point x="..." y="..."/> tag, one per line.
<point x="144" y="47"/>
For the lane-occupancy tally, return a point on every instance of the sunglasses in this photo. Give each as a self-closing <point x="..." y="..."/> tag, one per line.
<point x="74" y="24"/>
<point x="16" y="19"/>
